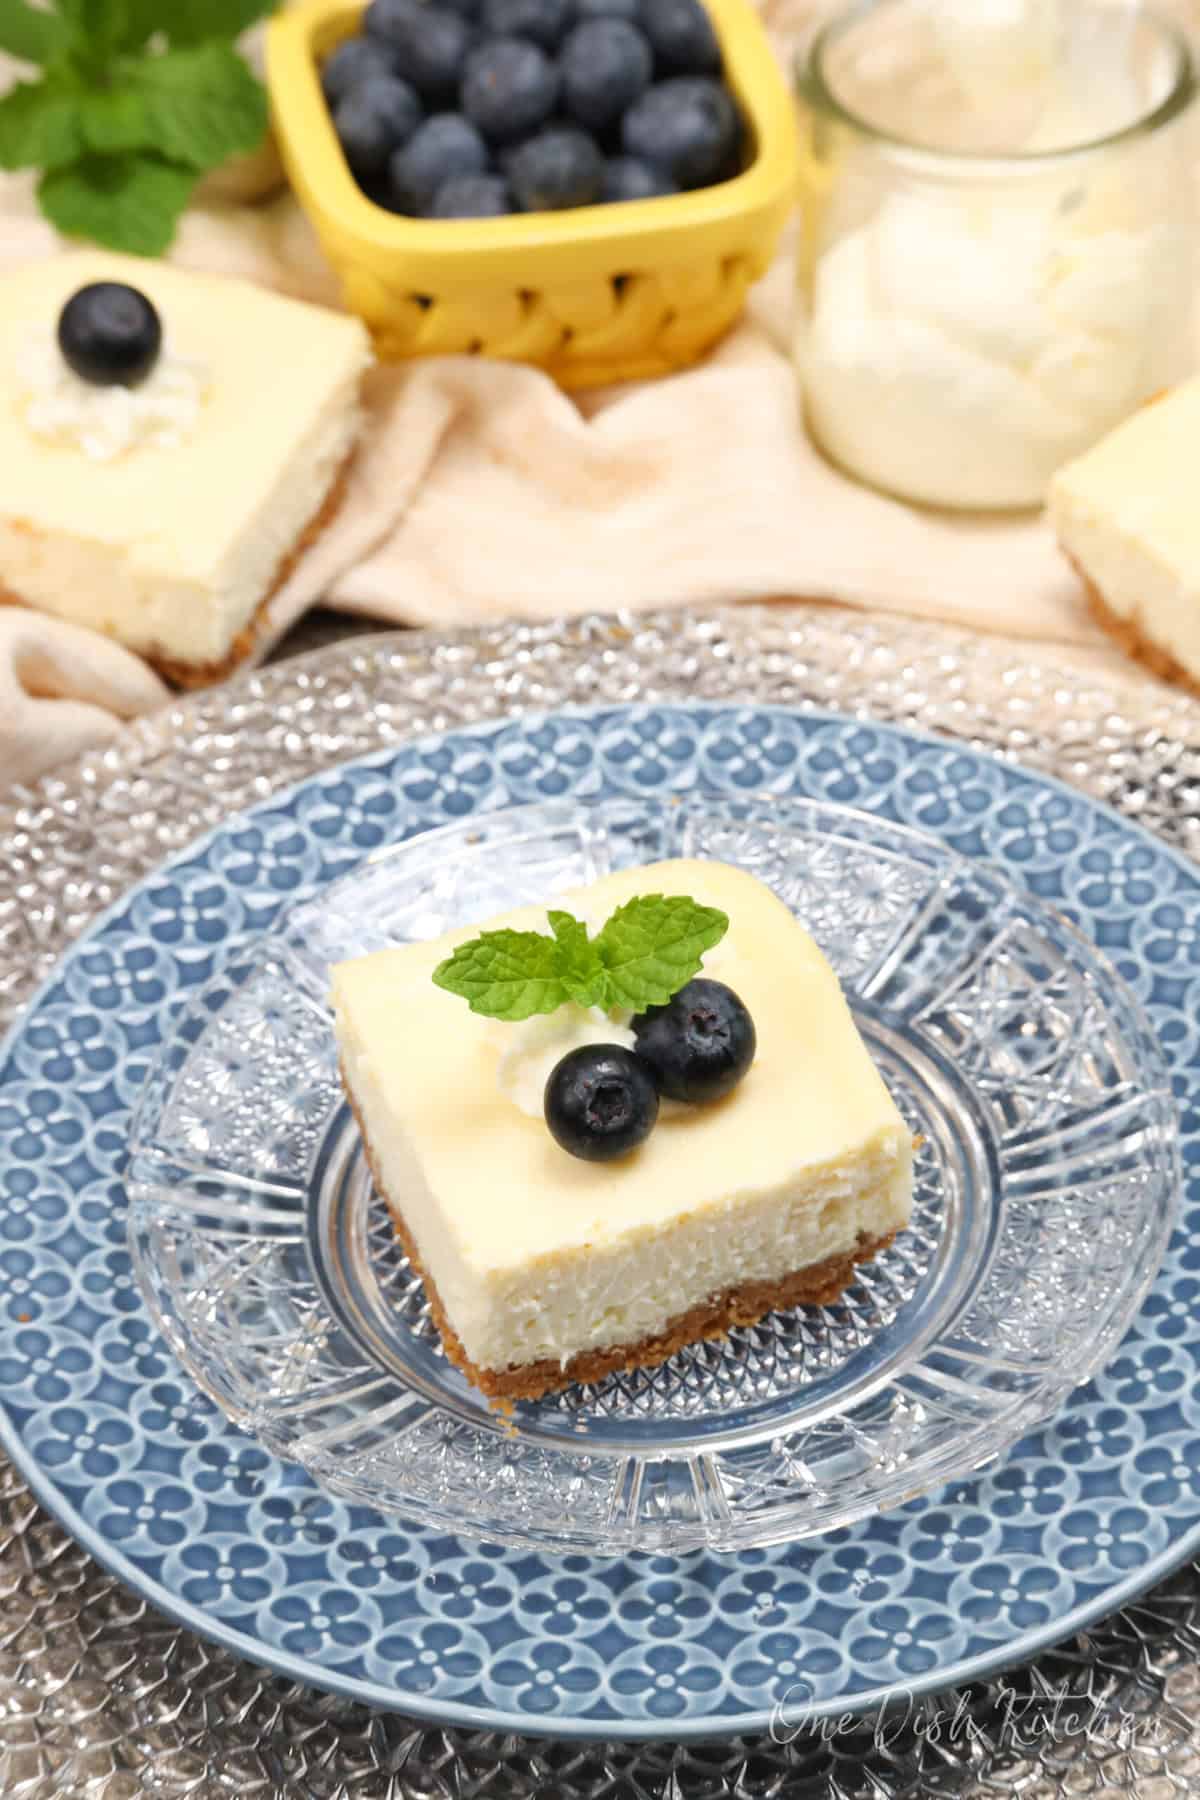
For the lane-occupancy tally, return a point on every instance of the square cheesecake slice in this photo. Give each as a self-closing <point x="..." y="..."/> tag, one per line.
<point x="1126" y="516"/>
<point x="543" y="1269"/>
<point x="165" y="513"/>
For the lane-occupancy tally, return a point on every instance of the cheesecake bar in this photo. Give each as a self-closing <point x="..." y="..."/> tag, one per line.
<point x="163" y="505"/>
<point x="1125" y="514"/>
<point x="542" y="1268"/>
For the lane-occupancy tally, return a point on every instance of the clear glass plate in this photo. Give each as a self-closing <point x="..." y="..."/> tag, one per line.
<point x="1046" y="1186"/>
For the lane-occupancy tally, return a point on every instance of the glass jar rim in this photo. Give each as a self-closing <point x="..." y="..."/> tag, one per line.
<point x="819" y="92"/>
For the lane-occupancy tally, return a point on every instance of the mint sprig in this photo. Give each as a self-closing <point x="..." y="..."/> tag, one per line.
<point x="135" y="100"/>
<point x="33" y="36"/>
<point x="647" y="951"/>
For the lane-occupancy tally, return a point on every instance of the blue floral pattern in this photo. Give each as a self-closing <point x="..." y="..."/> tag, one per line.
<point x="153" y="1477"/>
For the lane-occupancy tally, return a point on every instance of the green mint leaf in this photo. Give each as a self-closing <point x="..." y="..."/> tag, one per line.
<point x="143" y="20"/>
<point x="40" y="125"/>
<point x="186" y="22"/>
<point x="571" y="936"/>
<point x="201" y="105"/>
<point x="646" y="952"/>
<point x="506" y="974"/>
<point x="91" y="18"/>
<point x="580" y="967"/>
<point x="96" y="27"/>
<point x="32" y="35"/>
<point x="196" y="21"/>
<point x="653" y="945"/>
<point x="115" y="119"/>
<point x="129" y="201"/>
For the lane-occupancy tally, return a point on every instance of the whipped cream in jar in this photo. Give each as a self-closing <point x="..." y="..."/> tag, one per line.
<point x="998" y="247"/>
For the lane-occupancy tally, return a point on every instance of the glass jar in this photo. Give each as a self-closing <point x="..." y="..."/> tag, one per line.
<point x="997" y="259"/>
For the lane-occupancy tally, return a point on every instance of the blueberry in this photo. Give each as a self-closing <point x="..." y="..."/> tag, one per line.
<point x="606" y="66"/>
<point x="600" y="1102"/>
<point x="430" y="43"/>
<point x="628" y="178"/>
<point x="682" y="37"/>
<point x="374" y="120"/>
<point x="445" y="145"/>
<point x="560" y="167"/>
<point x="688" y="127"/>
<point x="700" y="1044"/>
<point x="509" y="89"/>
<point x="352" y="64"/>
<point x="385" y="20"/>
<point x="472" y="197"/>
<point x="110" y="334"/>
<point x="608" y="9"/>
<point x="545" y="22"/>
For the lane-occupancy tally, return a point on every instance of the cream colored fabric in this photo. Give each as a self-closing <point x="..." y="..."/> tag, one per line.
<point x="63" y="690"/>
<point x="517" y="500"/>
<point x="483" y="492"/>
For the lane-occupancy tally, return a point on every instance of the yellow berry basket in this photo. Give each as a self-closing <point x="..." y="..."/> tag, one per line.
<point x="593" y="295"/>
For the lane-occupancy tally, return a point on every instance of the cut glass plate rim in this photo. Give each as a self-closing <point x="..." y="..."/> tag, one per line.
<point x="1031" y="1641"/>
<point x="989" y="1437"/>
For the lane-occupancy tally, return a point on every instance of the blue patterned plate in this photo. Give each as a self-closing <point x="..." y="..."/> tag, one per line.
<point x="244" y="1546"/>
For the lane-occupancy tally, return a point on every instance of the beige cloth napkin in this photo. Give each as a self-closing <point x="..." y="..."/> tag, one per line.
<point x="482" y="491"/>
<point x="63" y="690"/>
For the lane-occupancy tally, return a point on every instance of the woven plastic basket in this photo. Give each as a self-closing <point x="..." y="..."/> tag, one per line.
<point x="596" y="294"/>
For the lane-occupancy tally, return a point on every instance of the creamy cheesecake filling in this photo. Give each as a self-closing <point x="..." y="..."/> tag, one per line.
<point x="594" y="1295"/>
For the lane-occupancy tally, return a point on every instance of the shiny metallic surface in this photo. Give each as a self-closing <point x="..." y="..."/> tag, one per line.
<point x="103" y="1699"/>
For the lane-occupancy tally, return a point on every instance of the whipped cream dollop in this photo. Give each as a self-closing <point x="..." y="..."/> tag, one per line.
<point x="106" y="422"/>
<point x="972" y="327"/>
<point x="961" y="347"/>
<point x="530" y="1050"/>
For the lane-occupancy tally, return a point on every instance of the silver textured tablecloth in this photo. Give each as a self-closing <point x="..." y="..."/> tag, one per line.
<point x="103" y="1699"/>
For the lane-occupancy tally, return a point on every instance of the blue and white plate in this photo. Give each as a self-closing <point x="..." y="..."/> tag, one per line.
<point x="221" y="1532"/>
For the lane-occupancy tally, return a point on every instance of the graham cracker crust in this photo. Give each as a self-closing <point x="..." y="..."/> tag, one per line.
<point x="198" y="675"/>
<point x="1129" y="634"/>
<point x="817" y="1285"/>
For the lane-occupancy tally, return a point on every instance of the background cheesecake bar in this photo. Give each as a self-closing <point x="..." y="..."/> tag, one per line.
<point x="542" y="1268"/>
<point x="173" y="541"/>
<point x="1127" y="517"/>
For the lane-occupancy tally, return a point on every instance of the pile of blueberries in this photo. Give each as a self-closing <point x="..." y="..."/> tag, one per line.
<point x="452" y="109"/>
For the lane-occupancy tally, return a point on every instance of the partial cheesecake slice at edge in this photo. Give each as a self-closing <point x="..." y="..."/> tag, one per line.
<point x="542" y="1269"/>
<point x="1125" y="516"/>
<point x="176" y="550"/>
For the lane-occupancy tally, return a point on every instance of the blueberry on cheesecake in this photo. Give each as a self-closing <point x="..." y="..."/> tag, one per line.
<point x="110" y="334"/>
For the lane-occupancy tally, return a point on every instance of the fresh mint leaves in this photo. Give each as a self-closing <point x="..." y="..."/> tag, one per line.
<point x="135" y="100"/>
<point x="41" y="125"/>
<point x="647" y="951"/>
<point x="508" y="974"/>
<point x="652" y="946"/>
<point x="128" y="202"/>
<point x="199" y="106"/>
<point x="34" y="36"/>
